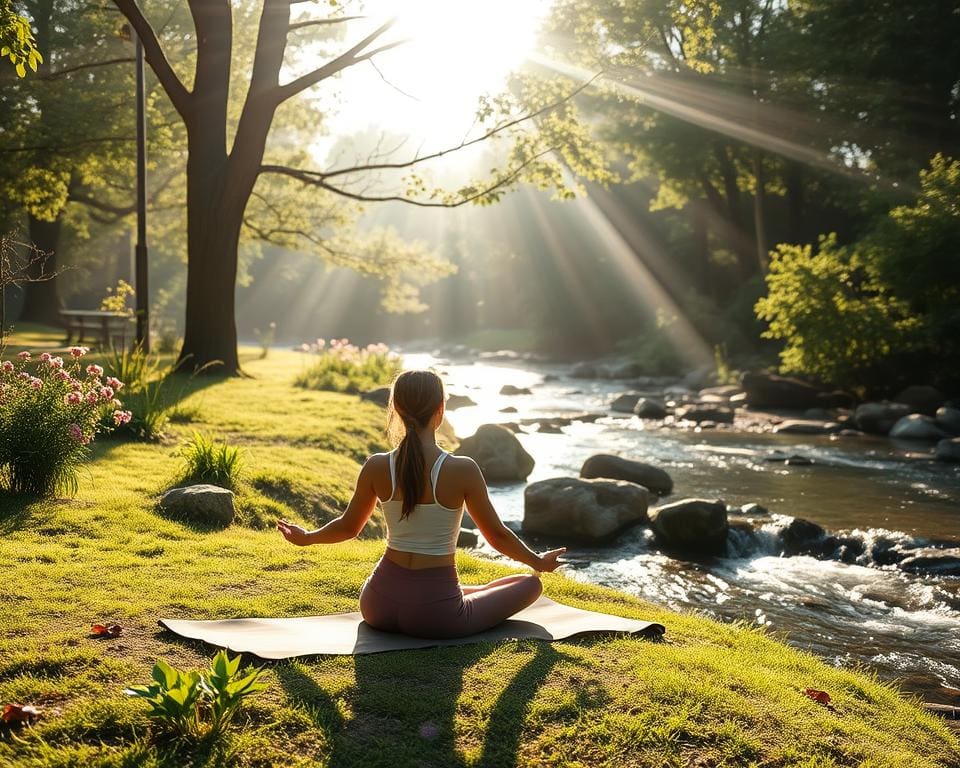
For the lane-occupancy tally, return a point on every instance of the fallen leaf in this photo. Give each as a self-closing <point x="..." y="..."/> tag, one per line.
<point x="19" y="713"/>
<point x="106" y="630"/>
<point x="821" y="697"/>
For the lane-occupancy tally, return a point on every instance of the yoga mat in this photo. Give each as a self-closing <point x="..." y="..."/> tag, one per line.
<point x="348" y="633"/>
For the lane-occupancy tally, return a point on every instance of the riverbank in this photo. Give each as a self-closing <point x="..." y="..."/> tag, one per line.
<point x="712" y="694"/>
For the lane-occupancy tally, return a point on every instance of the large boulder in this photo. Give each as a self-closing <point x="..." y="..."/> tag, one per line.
<point x="619" y="468"/>
<point x="948" y="418"/>
<point x="879" y="418"/>
<point x="916" y="426"/>
<point x="625" y="403"/>
<point x="202" y="503"/>
<point x="458" y="401"/>
<point x="801" y="537"/>
<point x="591" y="511"/>
<point x="705" y="412"/>
<point x="922" y="398"/>
<point x="692" y="526"/>
<point x="649" y="408"/>
<point x="500" y="455"/>
<point x="510" y="389"/>
<point x="948" y="450"/>
<point x="767" y="390"/>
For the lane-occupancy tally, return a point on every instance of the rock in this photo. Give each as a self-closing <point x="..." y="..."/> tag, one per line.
<point x="948" y="418"/>
<point x="726" y="392"/>
<point x="754" y="510"/>
<point x="922" y="398"/>
<point x="817" y="414"/>
<point x="380" y="396"/>
<point x="550" y="429"/>
<point x="500" y="455"/>
<point x="467" y="538"/>
<point x="717" y="414"/>
<point x="627" y="371"/>
<point x="648" y="408"/>
<point x="201" y="503"/>
<point x="933" y="563"/>
<point x="446" y="434"/>
<point x="625" y="403"/>
<point x="916" y="426"/>
<point x="619" y="468"/>
<point x="584" y="371"/>
<point x="508" y="409"/>
<point x="801" y="537"/>
<point x="512" y="426"/>
<point x="836" y="399"/>
<point x="948" y="450"/>
<point x="713" y="399"/>
<point x="692" y="526"/>
<point x="700" y="377"/>
<point x="551" y="377"/>
<point x="805" y="427"/>
<point x="879" y="418"/>
<point x="766" y="390"/>
<point x="786" y="458"/>
<point x="738" y="400"/>
<point x="593" y="511"/>
<point x="458" y="401"/>
<point x="509" y="389"/>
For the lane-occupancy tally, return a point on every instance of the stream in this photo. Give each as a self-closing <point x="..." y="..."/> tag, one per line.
<point x="854" y="608"/>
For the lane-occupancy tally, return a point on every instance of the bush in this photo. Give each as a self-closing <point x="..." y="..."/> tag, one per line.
<point x="206" y="461"/>
<point x="50" y="411"/>
<point x="343" y="367"/>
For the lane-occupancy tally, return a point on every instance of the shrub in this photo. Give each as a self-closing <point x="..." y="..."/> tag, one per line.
<point x="265" y="339"/>
<point x="199" y="703"/>
<point x="206" y="461"/>
<point x="50" y="411"/>
<point x="343" y="367"/>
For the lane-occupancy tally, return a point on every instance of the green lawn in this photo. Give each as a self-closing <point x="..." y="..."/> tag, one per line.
<point x="710" y="695"/>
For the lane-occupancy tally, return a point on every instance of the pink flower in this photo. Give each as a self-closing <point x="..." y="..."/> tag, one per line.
<point x="44" y="356"/>
<point x="321" y="343"/>
<point x="24" y="375"/>
<point x="75" y="432"/>
<point x="106" y="393"/>
<point x="55" y="362"/>
<point x="122" y="417"/>
<point x="23" y="355"/>
<point x="36" y="383"/>
<point x="94" y="370"/>
<point x="115" y="403"/>
<point x="115" y="383"/>
<point x="92" y="398"/>
<point x="7" y="366"/>
<point x="72" y="398"/>
<point x="78" y="351"/>
<point x="61" y="375"/>
<point x="75" y="385"/>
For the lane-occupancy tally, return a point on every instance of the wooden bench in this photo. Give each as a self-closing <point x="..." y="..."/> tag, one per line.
<point x="100" y="325"/>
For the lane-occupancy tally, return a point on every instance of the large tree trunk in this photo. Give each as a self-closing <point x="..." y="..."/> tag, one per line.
<point x="42" y="303"/>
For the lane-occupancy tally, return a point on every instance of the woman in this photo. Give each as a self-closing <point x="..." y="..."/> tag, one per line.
<point x="414" y="588"/>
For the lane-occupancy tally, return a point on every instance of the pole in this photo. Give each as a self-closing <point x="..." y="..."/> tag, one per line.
<point x="141" y="287"/>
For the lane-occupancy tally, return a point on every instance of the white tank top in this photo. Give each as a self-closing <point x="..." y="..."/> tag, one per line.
<point x="430" y="529"/>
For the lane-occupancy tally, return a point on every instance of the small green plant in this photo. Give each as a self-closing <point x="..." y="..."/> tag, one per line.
<point x="725" y="374"/>
<point x="194" y="703"/>
<point x="207" y="461"/>
<point x="265" y="338"/>
<point x="344" y="367"/>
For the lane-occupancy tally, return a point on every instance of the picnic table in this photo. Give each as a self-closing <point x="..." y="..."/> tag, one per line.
<point x="100" y="324"/>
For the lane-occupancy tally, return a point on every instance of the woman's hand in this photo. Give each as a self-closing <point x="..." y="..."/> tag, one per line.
<point x="548" y="560"/>
<point x="295" y="534"/>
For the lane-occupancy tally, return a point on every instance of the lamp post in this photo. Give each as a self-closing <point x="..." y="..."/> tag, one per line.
<point x="140" y="260"/>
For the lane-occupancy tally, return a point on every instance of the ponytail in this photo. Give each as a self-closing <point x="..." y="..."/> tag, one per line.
<point x="411" y="469"/>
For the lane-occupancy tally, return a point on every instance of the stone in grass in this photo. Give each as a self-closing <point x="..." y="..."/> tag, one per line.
<point x="202" y="503"/>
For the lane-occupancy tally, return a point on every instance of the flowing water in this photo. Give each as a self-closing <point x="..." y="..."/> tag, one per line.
<point x="857" y="605"/>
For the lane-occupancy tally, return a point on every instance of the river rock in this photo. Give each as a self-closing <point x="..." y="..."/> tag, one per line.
<point x="584" y="371"/>
<point x="801" y="537"/>
<point x="706" y="412"/>
<point x="648" y="408"/>
<point x="467" y="538"/>
<point x="948" y="450"/>
<point x="767" y="390"/>
<point x="692" y="526"/>
<point x="934" y="563"/>
<point x="202" y="503"/>
<point x="626" y="402"/>
<point x="754" y="510"/>
<point x="627" y="371"/>
<point x="618" y="468"/>
<point x="922" y="398"/>
<point x="700" y="377"/>
<point x="948" y="418"/>
<point x="549" y="429"/>
<point x="380" y="396"/>
<point x="500" y="455"/>
<point x="726" y="392"/>
<point x="458" y="401"/>
<point x="509" y="389"/>
<point x="593" y="511"/>
<point x="817" y="414"/>
<point x="916" y="426"/>
<point x="508" y="409"/>
<point x="879" y="418"/>
<point x="805" y="427"/>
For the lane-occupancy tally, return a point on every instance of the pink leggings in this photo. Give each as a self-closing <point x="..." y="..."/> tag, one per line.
<point x="429" y="602"/>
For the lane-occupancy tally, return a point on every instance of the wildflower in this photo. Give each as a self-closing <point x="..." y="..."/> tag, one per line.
<point x="61" y="375"/>
<point x="72" y="398"/>
<point x="92" y="397"/>
<point x="24" y="375"/>
<point x="321" y="343"/>
<point x="94" y="370"/>
<point x="23" y="355"/>
<point x="36" y="383"/>
<point x="44" y="356"/>
<point x="7" y="366"/>
<point x="75" y="432"/>
<point x="75" y="385"/>
<point x="304" y="347"/>
<point x="115" y="403"/>
<point x="106" y="393"/>
<point x="78" y="351"/>
<point x="115" y="383"/>
<point x="122" y="417"/>
<point x="55" y="362"/>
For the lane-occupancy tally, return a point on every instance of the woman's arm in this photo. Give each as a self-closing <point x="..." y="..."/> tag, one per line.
<point x="495" y="532"/>
<point x="348" y="525"/>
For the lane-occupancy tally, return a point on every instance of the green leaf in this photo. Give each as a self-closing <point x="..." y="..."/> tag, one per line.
<point x="164" y="674"/>
<point x="21" y="70"/>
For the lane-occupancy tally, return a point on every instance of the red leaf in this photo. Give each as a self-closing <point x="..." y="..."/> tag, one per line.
<point x="18" y="713"/>
<point x="821" y="697"/>
<point x="106" y="630"/>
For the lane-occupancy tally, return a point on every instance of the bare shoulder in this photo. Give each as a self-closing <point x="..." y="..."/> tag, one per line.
<point x="376" y="469"/>
<point x="464" y="469"/>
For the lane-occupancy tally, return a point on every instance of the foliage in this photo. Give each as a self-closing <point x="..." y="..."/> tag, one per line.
<point x="194" y="703"/>
<point x="148" y="381"/>
<point x="344" y="367"/>
<point x="16" y="40"/>
<point x="116" y="299"/>
<point x="49" y="412"/>
<point x="265" y="338"/>
<point x="206" y="461"/>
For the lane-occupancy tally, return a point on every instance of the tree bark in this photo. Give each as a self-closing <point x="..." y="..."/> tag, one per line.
<point x="759" y="211"/>
<point x="42" y="303"/>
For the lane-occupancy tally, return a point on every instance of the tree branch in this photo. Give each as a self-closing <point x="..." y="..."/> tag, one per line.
<point x="155" y="57"/>
<point x="91" y="65"/>
<point x="322" y="22"/>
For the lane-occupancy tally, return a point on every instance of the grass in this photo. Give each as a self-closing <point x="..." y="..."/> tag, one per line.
<point x="711" y="695"/>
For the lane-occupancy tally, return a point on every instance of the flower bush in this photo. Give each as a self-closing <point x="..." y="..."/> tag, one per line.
<point x="345" y="367"/>
<point x="50" y="411"/>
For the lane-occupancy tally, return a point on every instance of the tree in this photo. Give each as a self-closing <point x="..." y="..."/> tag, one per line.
<point x="16" y="40"/>
<point x="221" y="178"/>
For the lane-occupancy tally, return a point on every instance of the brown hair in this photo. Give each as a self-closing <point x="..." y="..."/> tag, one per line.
<point x="414" y="397"/>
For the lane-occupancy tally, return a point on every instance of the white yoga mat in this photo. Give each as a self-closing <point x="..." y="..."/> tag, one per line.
<point x="348" y="633"/>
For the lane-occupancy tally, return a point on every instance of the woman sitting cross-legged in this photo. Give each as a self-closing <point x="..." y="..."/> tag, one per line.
<point x="414" y="588"/>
